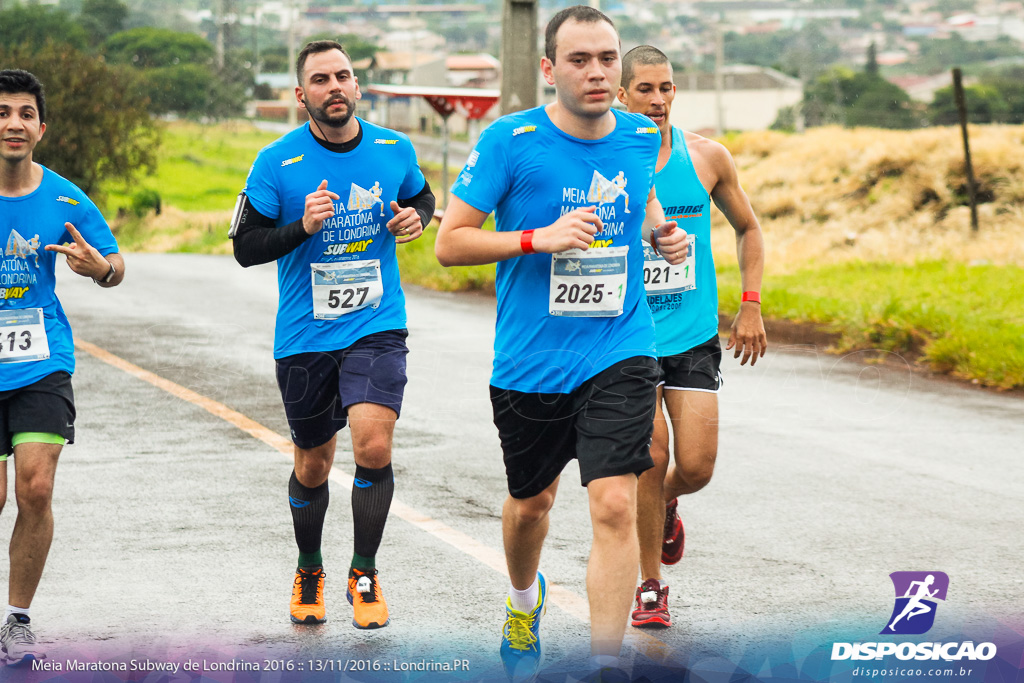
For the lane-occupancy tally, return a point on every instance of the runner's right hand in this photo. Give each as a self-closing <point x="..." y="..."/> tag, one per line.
<point x="319" y="207"/>
<point x="574" y="230"/>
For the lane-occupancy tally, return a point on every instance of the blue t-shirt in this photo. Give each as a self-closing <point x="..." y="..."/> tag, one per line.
<point x="686" y="319"/>
<point x="28" y="300"/>
<point x="529" y="173"/>
<point x="341" y="284"/>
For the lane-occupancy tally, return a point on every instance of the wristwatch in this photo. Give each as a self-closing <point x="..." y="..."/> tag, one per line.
<point x="108" y="277"/>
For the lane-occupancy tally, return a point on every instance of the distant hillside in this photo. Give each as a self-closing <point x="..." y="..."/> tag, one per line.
<point x="834" y="195"/>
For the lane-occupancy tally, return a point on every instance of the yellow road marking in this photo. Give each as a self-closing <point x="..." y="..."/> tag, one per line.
<point x="565" y="599"/>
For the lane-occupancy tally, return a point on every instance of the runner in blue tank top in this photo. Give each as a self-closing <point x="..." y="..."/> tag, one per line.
<point x="684" y="302"/>
<point x="571" y="186"/>
<point x="329" y="202"/>
<point x="41" y="215"/>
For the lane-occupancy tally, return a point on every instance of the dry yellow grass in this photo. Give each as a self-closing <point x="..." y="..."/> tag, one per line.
<point x="834" y="195"/>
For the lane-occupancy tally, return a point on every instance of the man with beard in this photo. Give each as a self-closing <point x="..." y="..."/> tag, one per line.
<point x="329" y="201"/>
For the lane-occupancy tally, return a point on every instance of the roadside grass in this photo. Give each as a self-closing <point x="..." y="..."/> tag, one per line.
<point x="201" y="167"/>
<point x="967" y="321"/>
<point x="866" y="235"/>
<point x="419" y="266"/>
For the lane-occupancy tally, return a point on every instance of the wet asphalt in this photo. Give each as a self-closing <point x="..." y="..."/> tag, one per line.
<point x="173" y="535"/>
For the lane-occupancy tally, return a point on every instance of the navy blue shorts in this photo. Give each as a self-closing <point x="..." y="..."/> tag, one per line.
<point x="318" y="387"/>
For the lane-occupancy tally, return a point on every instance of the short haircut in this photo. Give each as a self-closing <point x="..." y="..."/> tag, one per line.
<point x="580" y="13"/>
<point x="313" y="48"/>
<point x="642" y="55"/>
<point x="16" y="82"/>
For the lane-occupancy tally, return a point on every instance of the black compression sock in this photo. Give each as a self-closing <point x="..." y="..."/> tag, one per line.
<point x="371" y="499"/>
<point x="309" y="507"/>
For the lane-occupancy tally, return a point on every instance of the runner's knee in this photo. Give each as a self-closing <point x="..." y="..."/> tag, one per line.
<point x="613" y="507"/>
<point x="313" y="465"/>
<point x="696" y="469"/>
<point x="699" y="476"/>
<point x="534" y="509"/>
<point x="34" y="493"/>
<point x="659" y="454"/>
<point x="373" y="451"/>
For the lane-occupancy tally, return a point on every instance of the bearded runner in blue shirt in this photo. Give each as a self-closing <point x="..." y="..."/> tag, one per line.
<point x="329" y="202"/>
<point x="38" y="209"/>
<point x="571" y="187"/>
<point x="692" y="170"/>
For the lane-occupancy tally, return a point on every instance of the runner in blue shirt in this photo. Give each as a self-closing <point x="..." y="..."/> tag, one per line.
<point x="571" y="187"/>
<point x="329" y="202"/>
<point x="684" y="301"/>
<point x="38" y="209"/>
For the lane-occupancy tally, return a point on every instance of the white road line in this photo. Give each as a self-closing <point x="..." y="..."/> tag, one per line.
<point x="562" y="597"/>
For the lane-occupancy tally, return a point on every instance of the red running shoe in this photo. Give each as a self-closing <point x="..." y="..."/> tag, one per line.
<point x="651" y="605"/>
<point x="675" y="536"/>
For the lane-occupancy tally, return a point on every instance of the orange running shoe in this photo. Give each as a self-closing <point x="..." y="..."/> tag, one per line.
<point x="369" y="609"/>
<point x="308" y="597"/>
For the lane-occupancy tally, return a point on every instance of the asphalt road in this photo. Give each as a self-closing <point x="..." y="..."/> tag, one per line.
<point x="174" y="539"/>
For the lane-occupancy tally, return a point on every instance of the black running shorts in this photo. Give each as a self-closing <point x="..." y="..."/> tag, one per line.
<point x="46" y="406"/>
<point x="698" y="369"/>
<point x="605" y="423"/>
<point x="317" y="388"/>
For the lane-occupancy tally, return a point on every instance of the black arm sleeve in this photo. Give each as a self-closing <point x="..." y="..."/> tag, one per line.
<point x="256" y="239"/>
<point x="422" y="202"/>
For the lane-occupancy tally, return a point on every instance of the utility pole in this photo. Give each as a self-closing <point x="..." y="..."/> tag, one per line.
<point x="256" y="66"/>
<point x="293" y="114"/>
<point x="519" y="60"/>
<point x="961" y="108"/>
<point x="219" y="18"/>
<point x="719" y="61"/>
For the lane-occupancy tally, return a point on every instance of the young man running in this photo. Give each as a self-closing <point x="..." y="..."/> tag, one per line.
<point x="329" y="202"/>
<point x="37" y="408"/>
<point x="574" y="371"/>
<point x="684" y="302"/>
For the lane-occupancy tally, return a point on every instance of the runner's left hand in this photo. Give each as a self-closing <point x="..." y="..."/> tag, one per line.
<point x="82" y="257"/>
<point x="670" y="241"/>
<point x="747" y="333"/>
<point x="406" y="225"/>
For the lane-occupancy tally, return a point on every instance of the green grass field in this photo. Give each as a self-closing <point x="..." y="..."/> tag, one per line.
<point x="964" y="320"/>
<point x="201" y="168"/>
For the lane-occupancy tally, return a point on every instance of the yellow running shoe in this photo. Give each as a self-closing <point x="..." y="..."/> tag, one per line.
<point x="369" y="609"/>
<point x="520" y="650"/>
<point x="308" y="597"/>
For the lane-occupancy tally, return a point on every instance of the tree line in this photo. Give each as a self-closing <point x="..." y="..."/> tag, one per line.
<point x="839" y="95"/>
<point x="104" y="84"/>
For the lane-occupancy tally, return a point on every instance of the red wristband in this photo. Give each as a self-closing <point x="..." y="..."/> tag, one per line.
<point x="526" y="242"/>
<point x="752" y="296"/>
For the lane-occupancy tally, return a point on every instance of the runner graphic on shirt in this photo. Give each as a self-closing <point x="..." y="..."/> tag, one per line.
<point x="604" y="191"/>
<point x="22" y="248"/>
<point x="360" y="199"/>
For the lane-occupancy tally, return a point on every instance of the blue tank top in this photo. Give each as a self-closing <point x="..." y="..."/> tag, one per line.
<point x="685" y="319"/>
